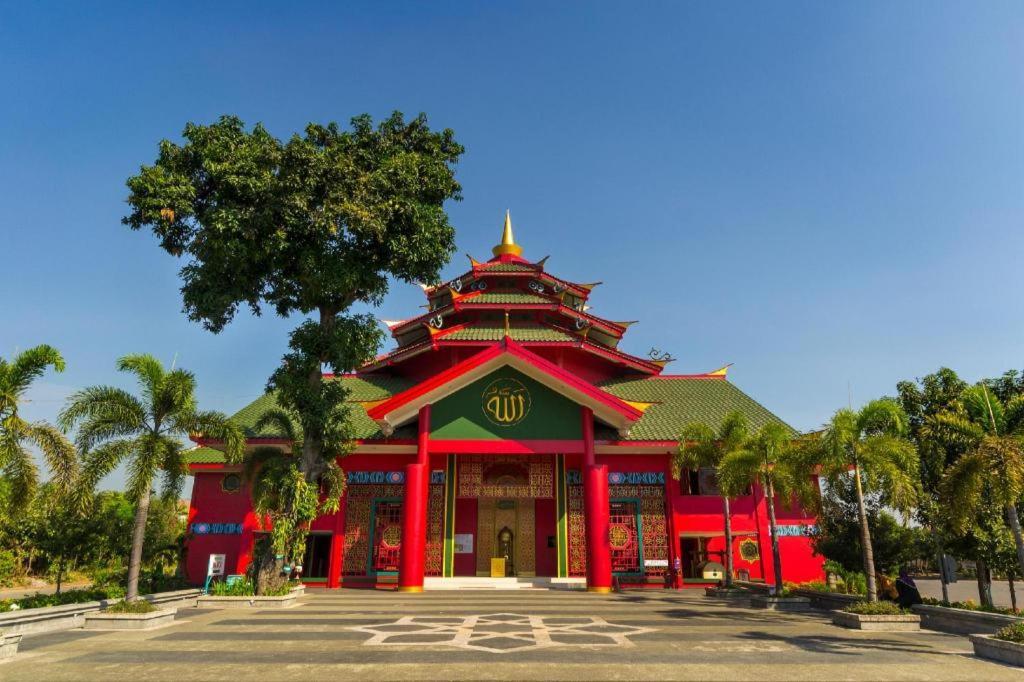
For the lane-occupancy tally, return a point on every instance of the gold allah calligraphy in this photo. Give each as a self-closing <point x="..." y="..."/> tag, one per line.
<point x="506" y="402"/>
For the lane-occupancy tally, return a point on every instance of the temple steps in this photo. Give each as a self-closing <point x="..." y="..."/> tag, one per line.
<point x="484" y="583"/>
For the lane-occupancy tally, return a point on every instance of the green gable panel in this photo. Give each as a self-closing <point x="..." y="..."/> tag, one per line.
<point x="505" y="404"/>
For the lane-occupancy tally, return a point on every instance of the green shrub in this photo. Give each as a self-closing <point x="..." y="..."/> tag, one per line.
<point x="246" y="588"/>
<point x="1012" y="633"/>
<point x="137" y="606"/>
<point x="877" y="608"/>
<point x="36" y="601"/>
<point x="969" y="605"/>
<point x="10" y="569"/>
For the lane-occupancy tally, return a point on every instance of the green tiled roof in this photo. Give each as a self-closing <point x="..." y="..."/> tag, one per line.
<point x="204" y="456"/>
<point x="681" y="400"/>
<point x="488" y="331"/>
<point x="507" y="297"/>
<point x="678" y="401"/>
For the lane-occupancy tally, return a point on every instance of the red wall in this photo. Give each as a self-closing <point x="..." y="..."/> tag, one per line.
<point x="465" y="522"/>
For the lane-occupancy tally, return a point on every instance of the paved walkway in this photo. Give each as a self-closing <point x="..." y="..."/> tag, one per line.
<point x="500" y="635"/>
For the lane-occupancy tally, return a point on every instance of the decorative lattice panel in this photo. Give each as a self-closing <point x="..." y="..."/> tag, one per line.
<point x="358" y="507"/>
<point x="654" y="529"/>
<point x="624" y="538"/>
<point x="538" y="479"/>
<point x="387" y="536"/>
<point x="435" y="530"/>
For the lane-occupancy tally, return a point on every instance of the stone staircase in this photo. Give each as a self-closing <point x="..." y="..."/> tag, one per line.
<point x="485" y="583"/>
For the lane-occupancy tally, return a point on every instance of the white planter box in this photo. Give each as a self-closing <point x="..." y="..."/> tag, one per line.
<point x="282" y="602"/>
<point x="726" y="593"/>
<point x="780" y="603"/>
<point x="68" y="616"/>
<point x="877" y="623"/>
<point x="9" y="645"/>
<point x="102" y="620"/>
<point x="962" y="621"/>
<point x="985" y="646"/>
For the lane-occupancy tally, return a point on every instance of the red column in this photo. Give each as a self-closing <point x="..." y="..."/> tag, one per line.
<point x="414" y="522"/>
<point x="596" y="509"/>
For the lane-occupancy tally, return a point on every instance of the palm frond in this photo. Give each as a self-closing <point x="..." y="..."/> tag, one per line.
<point x="738" y="470"/>
<point x="19" y="470"/>
<point x="734" y="430"/>
<point x="277" y="422"/>
<point x="952" y="428"/>
<point x="697" y="448"/>
<point x="30" y="364"/>
<point x="58" y="453"/>
<point x="144" y="465"/>
<point x="961" y="489"/>
<point x="217" y="426"/>
<point x="984" y="408"/>
<point x="1014" y="412"/>
<point x="147" y="369"/>
<point x="176" y="394"/>
<point x="889" y="465"/>
<point x="106" y="407"/>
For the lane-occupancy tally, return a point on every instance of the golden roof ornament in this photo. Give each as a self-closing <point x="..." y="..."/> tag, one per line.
<point x="508" y="246"/>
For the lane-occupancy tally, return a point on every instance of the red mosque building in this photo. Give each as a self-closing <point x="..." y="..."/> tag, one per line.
<point x="507" y="424"/>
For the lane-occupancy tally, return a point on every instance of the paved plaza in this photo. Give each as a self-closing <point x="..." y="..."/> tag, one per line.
<point x="356" y="634"/>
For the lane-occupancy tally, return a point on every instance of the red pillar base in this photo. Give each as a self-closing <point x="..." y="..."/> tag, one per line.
<point x="596" y="509"/>
<point x="414" y="529"/>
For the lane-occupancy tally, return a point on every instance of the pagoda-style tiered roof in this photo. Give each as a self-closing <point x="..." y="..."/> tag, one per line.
<point x="511" y="296"/>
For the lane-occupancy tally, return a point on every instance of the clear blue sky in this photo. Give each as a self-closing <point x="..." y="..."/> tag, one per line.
<point x="825" y="194"/>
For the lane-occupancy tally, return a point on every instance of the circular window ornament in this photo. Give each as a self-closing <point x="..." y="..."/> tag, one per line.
<point x="506" y="402"/>
<point x="618" y="536"/>
<point x="391" y="538"/>
<point x="749" y="551"/>
<point x="231" y="483"/>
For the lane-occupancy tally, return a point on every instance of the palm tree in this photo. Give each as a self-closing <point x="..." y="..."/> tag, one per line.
<point x="765" y="459"/>
<point x="281" y="494"/>
<point x="700" y="446"/>
<point x="16" y="461"/>
<point x="872" y="444"/>
<point x="992" y="468"/>
<point x="147" y="432"/>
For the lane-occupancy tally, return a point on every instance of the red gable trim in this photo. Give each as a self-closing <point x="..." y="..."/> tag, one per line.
<point x="512" y="348"/>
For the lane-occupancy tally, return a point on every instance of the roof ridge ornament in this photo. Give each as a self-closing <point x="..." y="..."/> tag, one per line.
<point x="508" y="246"/>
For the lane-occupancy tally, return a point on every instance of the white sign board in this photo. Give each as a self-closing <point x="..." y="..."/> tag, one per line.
<point x="216" y="565"/>
<point x="656" y="562"/>
<point x="463" y="543"/>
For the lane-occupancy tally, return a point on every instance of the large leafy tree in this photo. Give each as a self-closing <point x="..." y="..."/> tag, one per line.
<point x="766" y="459"/>
<point x="992" y="468"/>
<point x="314" y="225"/>
<point x="701" y="446"/>
<point x="148" y="432"/>
<point x="871" y="445"/>
<point x="17" y="435"/>
<point x="281" y="494"/>
<point x="921" y="400"/>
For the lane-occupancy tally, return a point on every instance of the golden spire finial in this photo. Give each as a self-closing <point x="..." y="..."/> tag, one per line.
<point x="508" y="244"/>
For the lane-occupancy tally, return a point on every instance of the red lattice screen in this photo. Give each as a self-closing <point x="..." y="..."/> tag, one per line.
<point x="624" y="538"/>
<point x="387" y="536"/>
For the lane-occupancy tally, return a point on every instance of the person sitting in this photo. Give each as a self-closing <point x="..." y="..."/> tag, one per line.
<point x="907" y="589"/>
<point x="886" y="590"/>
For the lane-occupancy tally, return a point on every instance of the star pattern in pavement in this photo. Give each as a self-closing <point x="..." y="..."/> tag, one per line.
<point x="500" y="633"/>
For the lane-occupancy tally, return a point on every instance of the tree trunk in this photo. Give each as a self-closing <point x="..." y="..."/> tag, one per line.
<point x="1013" y="592"/>
<point x="865" y="538"/>
<point x="1011" y="514"/>
<point x="774" y="531"/>
<point x="942" y="575"/>
<point x="726" y="514"/>
<point x="984" y="582"/>
<point x="138" y="538"/>
<point x="60" y="571"/>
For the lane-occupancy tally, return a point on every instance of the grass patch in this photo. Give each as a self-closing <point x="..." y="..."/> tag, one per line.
<point x="1012" y="633"/>
<point x="876" y="608"/>
<point x="138" y="606"/>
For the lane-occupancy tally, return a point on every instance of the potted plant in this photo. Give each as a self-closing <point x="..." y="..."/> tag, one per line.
<point x="1006" y="646"/>
<point x="130" y="615"/>
<point x="878" y="616"/>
